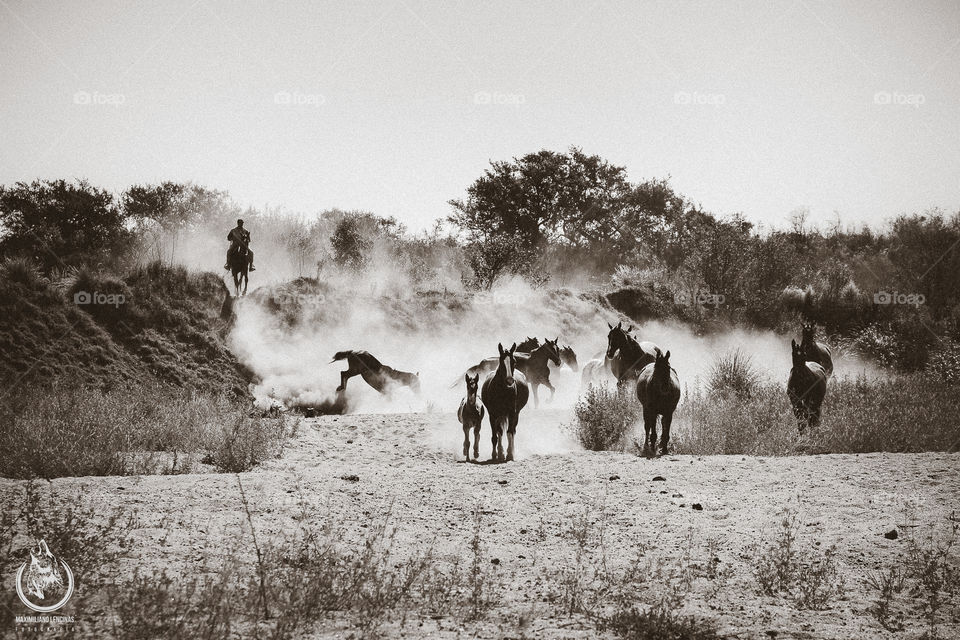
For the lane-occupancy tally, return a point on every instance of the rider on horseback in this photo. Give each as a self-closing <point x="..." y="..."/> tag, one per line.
<point x="239" y="237"/>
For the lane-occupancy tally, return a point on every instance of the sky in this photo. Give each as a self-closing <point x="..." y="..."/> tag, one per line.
<point x="395" y="107"/>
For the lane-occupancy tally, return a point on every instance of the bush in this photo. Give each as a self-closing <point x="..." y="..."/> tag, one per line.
<point x="945" y="363"/>
<point x="77" y="431"/>
<point x="603" y="417"/>
<point x="24" y="271"/>
<point x="733" y="372"/>
<point x="907" y="413"/>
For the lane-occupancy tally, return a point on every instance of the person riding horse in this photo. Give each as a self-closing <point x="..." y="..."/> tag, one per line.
<point x="239" y="237"/>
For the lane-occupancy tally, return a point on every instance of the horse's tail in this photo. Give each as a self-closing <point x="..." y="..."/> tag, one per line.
<point x="341" y="355"/>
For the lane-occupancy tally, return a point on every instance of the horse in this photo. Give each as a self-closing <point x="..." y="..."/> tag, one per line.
<point x="568" y="357"/>
<point x="806" y="388"/>
<point x="470" y="414"/>
<point x="528" y="345"/>
<point x="658" y="390"/>
<point x="379" y="376"/>
<point x="627" y="356"/>
<point x="239" y="261"/>
<point x="816" y="351"/>
<point x="504" y="394"/>
<point x="534" y="366"/>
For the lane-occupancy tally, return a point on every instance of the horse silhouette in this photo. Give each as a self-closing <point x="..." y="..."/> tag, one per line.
<point x="378" y="375"/>
<point x="504" y="394"/>
<point x="239" y="262"/>
<point x="816" y="351"/>
<point x="470" y="414"/>
<point x="806" y="388"/>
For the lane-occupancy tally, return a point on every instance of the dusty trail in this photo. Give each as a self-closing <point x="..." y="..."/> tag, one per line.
<point x="357" y="467"/>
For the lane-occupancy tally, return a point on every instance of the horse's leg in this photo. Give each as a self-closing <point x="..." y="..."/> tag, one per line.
<point x="476" y="439"/>
<point x="650" y="432"/>
<point x="344" y="376"/>
<point x="511" y="431"/>
<point x="494" y="426"/>
<point x="665" y="421"/>
<point x="536" y="398"/>
<point x="500" y="430"/>
<point x="553" y="390"/>
<point x="466" y="440"/>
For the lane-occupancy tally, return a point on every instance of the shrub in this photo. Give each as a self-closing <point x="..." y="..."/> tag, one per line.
<point x="24" y="271"/>
<point x="945" y="363"/>
<point x="733" y="372"/>
<point x="906" y="413"/>
<point x="78" y="431"/>
<point x="603" y="417"/>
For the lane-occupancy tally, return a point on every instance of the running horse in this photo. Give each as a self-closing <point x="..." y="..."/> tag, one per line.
<point x="658" y="390"/>
<point x="470" y="414"/>
<point x="504" y="394"/>
<point x="806" y="388"/>
<point x="535" y="366"/>
<point x="239" y="262"/>
<point x="376" y="374"/>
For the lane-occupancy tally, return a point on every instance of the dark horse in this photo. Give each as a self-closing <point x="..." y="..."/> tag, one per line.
<point x="568" y="357"/>
<point x="470" y="414"/>
<point x="627" y="356"/>
<point x="377" y="375"/>
<point x="806" y="388"/>
<point x="535" y="366"/>
<point x="816" y="351"/>
<point x="658" y="390"/>
<point x="239" y="261"/>
<point x="528" y="345"/>
<point x="504" y="394"/>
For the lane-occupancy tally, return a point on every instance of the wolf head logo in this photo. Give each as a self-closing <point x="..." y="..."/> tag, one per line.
<point x="43" y="579"/>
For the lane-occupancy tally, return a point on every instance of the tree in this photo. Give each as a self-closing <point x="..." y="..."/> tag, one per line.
<point x="497" y="256"/>
<point x="61" y="223"/>
<point x="545" y="197"/>
<point x="165" y="212"/>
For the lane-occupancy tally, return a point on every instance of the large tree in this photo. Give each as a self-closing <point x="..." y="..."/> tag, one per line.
<point x="60" y="223"/>
<point x="569" y="198"/>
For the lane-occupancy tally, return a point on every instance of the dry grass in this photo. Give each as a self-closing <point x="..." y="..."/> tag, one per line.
<point x="909" y="413"/>
<point x="65" y="431"/>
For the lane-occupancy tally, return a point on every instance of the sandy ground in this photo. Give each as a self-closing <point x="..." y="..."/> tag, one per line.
<point x="407" y="465"/>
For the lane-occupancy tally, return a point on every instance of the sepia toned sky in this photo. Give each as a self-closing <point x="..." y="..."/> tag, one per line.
<point x="849" y="108"/>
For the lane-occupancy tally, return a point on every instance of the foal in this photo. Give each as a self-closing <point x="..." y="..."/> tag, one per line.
<point x="470" y="414"/>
